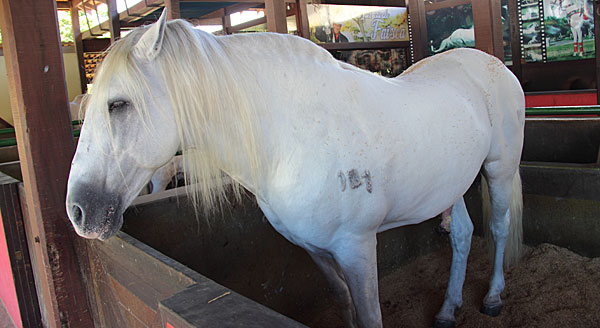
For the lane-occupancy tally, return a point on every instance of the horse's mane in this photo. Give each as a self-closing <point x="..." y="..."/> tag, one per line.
<point x="213" y="99"/>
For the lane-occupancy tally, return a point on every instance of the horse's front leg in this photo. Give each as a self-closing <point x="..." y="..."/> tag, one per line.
<point x="461" y="230"/>
<point x="357" y="257"/>
<point x="337" y="281"/>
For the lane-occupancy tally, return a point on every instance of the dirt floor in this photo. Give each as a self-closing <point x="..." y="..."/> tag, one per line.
<point x="551" y="287"/>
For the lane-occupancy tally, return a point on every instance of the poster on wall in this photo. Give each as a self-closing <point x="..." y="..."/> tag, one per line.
<point x="450" y="28"/>
<point x="569" y="29"/>
<point x="341" y="23"/>
<point x="531" y="31"/>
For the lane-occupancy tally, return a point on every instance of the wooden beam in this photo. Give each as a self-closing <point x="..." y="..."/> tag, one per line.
<point x="487" y="22"/>
<point x="114" y="21"/>
<point x="40" y="108"/>
<point x="173" y="9"/>
<point x="416" y="10"/>
<point x="206" y="21"/>
<point x="275" y="11"/>
<point x="515" y="39"/>
<point x="496" y="17"/>
<point x="240" y="7"/>
<point x="226" y="24"/>
<point x="446" y="4"/>
<point x="16" y="241"/>
<point x="248" y="24"/>
<point x="78" y="42"/>
<point x="63" y="5"/>
<point x="488" y="29"/>
<point x="96" y="45"/>
<point x="302" y="19"/>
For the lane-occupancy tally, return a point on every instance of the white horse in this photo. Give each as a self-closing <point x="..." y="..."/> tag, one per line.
<point x="531" y="32"/>
<point x="460" y="38"/>
<point x="334" y="154"/>
<point x="578" y="13"/>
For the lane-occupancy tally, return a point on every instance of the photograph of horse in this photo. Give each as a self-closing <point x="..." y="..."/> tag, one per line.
<point x="333" y="154"/>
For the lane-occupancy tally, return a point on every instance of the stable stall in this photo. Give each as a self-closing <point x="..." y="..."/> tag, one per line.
<point x="172" y="268"/>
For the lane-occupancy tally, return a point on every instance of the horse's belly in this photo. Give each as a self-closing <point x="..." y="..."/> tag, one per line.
<point x="438" y="171"/>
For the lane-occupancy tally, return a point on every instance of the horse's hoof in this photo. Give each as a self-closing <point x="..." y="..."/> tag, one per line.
<point x="441" y="323"/>
<point x="493" y="310"/>
<point x="440" y="230"/>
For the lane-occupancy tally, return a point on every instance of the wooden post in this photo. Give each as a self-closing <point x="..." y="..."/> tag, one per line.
<point x="302" y="19"/>
<point x="173" y="9"/>
<point x="40" y="108"/>
<point x="418" y="23"/>
<point x="78" y="42"/>
<point x="488" y="27"/>
<point x="515" y="38"/>
<point x="226" y="24"/>
<point x="496" y="17"/>
<point x="276" y="16"/>
<point x="113" y="20"/>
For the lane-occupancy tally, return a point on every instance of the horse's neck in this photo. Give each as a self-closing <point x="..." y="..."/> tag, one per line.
<point x="279" y="64"/>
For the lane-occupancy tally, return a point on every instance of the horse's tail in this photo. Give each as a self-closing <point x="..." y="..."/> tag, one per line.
<point x="512" y="251"/>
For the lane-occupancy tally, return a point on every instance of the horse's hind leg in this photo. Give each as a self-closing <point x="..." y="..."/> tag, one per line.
<point x="461" y="230"/>
<point x="502" y="192"/>
<point x="335" y="277"/>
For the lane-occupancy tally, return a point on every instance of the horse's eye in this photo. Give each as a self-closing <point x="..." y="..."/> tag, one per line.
<point x="116" y="105"/>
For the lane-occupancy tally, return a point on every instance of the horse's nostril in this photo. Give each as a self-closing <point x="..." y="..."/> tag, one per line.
<point x="76" y="214"/>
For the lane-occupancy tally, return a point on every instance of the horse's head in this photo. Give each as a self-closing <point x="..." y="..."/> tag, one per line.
<point x="129" y="131"/>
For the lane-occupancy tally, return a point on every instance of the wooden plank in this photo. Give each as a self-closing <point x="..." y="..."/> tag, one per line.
<point x="240" y="7"/>
<point x="226" y="22"/>
<point x="483" y="27"/>
<point x="131" y="304"/>
<point x="275" y="11"/>
<point x="302" y="19"/>
<point x="210" y="304"/>
<point x="248" y="24"/>
<point x="63" y="5"/>
<point x="206" y="21"/>
<point x="135" y="256"/>
<point x="416" y="10"/>
<point x="496" y="17"/>
<point x="95" y="45"/>
<point x="16" y="240"/>
<point x="78" y="42"/>
<point x="106" y="304"/>
<point x="40" y="108"/>
<point x="114" y="21"/>
<point x="173" y="9"/>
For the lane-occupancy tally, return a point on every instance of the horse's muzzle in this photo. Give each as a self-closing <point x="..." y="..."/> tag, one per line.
<point x="94" y="215"/>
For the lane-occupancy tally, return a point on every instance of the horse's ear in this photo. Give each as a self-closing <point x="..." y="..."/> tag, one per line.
<point x="148" y="46"/>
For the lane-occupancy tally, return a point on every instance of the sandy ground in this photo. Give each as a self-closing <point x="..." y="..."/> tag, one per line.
<point x="550" y="287"/>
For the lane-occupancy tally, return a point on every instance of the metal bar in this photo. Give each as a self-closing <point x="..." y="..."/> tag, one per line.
<point x="563" y="110"/>
<point x="12" y="130"/>
<point x="8" y="142"/>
